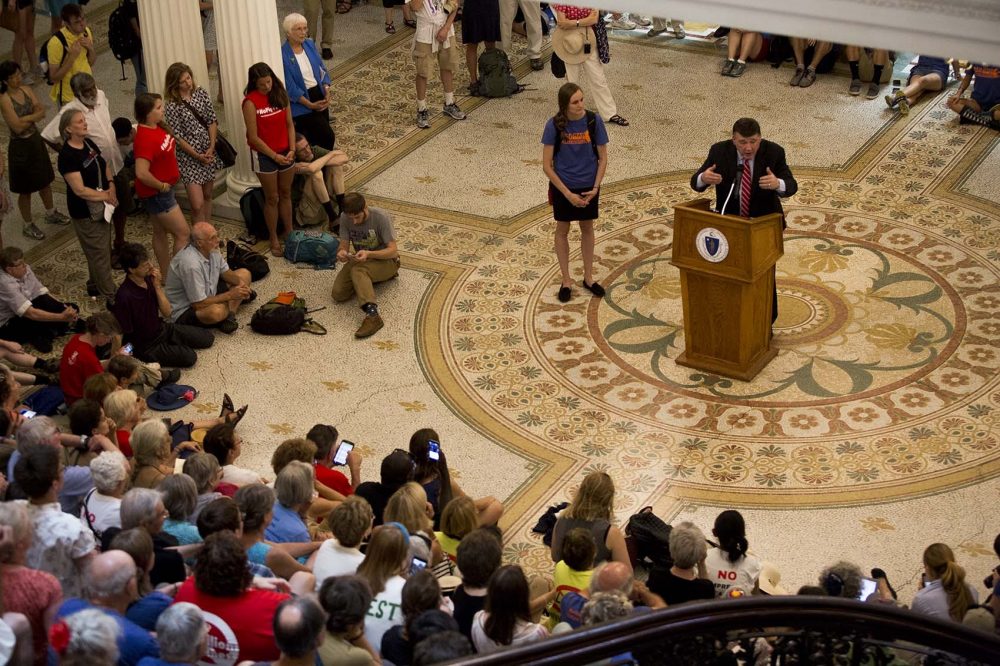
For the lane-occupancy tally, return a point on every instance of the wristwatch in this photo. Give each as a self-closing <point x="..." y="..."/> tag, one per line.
<point x="83" y="442"/>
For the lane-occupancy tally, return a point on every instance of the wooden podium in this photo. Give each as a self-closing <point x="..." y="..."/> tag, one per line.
<point x="727" y="284"/>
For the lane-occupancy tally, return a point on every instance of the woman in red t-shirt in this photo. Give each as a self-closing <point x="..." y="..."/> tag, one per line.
<point x="271" y="137"/>
<point x="156" y="174"/>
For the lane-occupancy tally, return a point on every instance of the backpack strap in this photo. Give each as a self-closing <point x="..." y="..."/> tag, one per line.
<point x="558" y="143"/>
<point x="58" y="34"/>
<point x="86" y="512"/>
<point x="592" y="130"/>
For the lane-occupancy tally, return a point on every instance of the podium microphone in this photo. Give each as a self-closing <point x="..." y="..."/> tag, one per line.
<point x="739" y="176"/>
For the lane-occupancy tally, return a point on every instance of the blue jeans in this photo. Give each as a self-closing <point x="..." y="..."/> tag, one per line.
<point x="140" y="73"/>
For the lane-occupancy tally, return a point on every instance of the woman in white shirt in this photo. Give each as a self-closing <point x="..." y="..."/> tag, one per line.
<point x="385" y="567"/>
<point x="506" y="617"/>
<point x="945" y="593"/>
<point x="728" y="564"/>
<point x="102" y="506"/>
<point x="349" y="523"/>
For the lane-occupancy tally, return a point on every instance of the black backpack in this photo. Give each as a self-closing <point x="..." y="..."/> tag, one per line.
<point x="122" y="40"/>
<point x="649" y="539"/>
<point x="495" y="77"/>
<point x="252" y="210"/>
<point x="285" y="314"/>
<point x="238" y="256"/>
<point x="43" y="58"/>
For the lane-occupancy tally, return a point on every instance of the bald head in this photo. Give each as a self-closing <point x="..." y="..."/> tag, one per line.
<point x="202" y="230"/>
<point x="204" y="237"/>
<point x="298" y="626"/>
<point x="611" y="577"/>
<point x="110" y="574"/>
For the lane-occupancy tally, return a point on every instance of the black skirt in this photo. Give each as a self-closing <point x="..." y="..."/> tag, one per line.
<point x="564" y="211"/>
<point x="28" y="164"/>
<point x="480" y="21"/>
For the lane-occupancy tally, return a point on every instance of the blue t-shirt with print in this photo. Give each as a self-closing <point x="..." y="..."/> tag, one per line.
<point x="576" y="163"/>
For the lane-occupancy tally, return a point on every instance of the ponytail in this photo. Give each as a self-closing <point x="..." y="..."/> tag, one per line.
<point x="735" y="549"/>
<point x="959" y="597"/>
<point x="731" y="531"/>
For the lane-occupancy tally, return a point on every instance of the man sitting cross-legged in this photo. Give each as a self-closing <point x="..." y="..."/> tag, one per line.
<point x="201" y="288"/>
<point x="28" y="312"/>
<point x="139" y="305"/>
<point x="368" y="248"/>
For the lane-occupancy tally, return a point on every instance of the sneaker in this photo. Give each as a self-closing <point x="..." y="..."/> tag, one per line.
<point x="92" y="290"/>
<point x="327" y="53"/>
<point x="808" y="79"/>
<point x="452" y="111"/>
<point x="423" y="119"/>
<point x="30" y="230"/>
<point x="727" y="67"/>
<point x="797" y="76"/>
<point x="474" y="90"/>
<point x="537" y="65"/>
<point x="621" y="24"/>
<point x="168" y="376"/>
<point x="738" y="69"/>
<point x="55" y="217"/>
<point x="643" y="22"/>
<point x="653" y="32"/>
<point x="371" y="325"/>
<point x="873" y="90"/>
<point x="678" y="29"/>
<point x="228" y="325"/>
<point x="855" y="88"/>
<point x="971" y="116"/>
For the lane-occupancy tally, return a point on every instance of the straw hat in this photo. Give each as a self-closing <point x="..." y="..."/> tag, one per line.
<point x="568" y="44"/>
<point x="770" y="580"/>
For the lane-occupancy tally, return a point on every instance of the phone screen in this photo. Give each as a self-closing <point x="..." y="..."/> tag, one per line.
<point x="127" y="348"/>
<point x="433" y="450"/>
<point x="28" y="414"/>
<point x="868" y="587"/>
<point x="341" y="457"/>
<point x="416" y="564"/>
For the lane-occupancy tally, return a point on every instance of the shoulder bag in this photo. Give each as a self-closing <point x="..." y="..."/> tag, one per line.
<point x="224" y="149"/>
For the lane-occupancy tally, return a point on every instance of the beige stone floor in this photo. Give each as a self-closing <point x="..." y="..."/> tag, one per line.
<point x="874" y="432"/>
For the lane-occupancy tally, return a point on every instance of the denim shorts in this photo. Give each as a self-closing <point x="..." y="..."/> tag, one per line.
<point x="261" y="163"/>
<point x="160" y="203"/>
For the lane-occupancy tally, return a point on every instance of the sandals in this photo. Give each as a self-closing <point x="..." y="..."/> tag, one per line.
<point x="227" y="406"/>
<point x="618" y="120"/>
<point x="390" y="28"/>
<point x="410" y="23"/>
<point x="235" y="417"/>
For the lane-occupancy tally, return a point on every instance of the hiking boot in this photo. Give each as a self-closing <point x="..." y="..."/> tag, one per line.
<point x="31" y="230"/>
<point x="452" y="111"/>
<point x="537" y="64"/>
<point x="371" y="325"/>
<point x="55" y="217"/>
<point x="423" y="119"/>
<point x="873" y="90"/>
<point x="855" y="88"/>
<point x="228" y="325"/>
<point x="797" y="76"/>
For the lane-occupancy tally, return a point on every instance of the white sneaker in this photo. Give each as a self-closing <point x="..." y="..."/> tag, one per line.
<point x="642" y="21"/>
<point x="622" y="24"/>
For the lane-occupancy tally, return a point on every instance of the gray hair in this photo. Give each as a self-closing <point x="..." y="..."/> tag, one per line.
<point x="295" y="483"/>
<point x="109" y="469"/>
<point x="843" y="576"/>
<point x="202" y="468"/>
<point x="687" y="545"/>
<point x="149" y="443"/>
<point x="180" y="495"/>
<point x="64" y="121"/>
<point x="15" y="516"/>
<point x="292" y="20"/>
<point x="93" y="639"/>
<point x="79" y="81"/>
<point x="180" y="631"/>
<point x="104" y="582"/>
<point x="605" y="607"/>
<point x="34" y="432"/>
<point x="139" y="508"/>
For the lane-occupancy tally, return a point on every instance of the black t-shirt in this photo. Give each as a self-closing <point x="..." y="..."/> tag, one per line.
<point x="395" y="648"/>
<point x="377" y="495"/>
<point x="675" y="590"/>
<point x="466" y="607"/>
<point x="138" y="313"/>
<point x="92" y="168"/>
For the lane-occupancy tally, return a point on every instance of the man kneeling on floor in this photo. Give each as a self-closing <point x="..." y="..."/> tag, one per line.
<point x="201" y="288"/>
<point x="368" y="250"/>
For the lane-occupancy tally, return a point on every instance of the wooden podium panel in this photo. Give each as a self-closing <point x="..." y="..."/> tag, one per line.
<point x="727" y="297"/>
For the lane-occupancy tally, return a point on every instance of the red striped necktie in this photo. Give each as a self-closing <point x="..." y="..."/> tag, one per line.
<point x="745" y="190"/>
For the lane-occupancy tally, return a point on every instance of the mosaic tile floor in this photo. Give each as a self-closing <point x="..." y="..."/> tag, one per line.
<point x="873" y="433"/>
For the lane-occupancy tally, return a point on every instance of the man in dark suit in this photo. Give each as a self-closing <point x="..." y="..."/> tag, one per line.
<point x="751" y="173"/>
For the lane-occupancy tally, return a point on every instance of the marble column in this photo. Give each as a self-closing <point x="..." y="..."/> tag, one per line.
<point x="171" y="32"/>
<point x="247" y="32"/>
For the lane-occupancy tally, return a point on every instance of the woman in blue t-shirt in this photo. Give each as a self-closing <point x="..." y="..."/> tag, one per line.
<point x="574" y="158"/>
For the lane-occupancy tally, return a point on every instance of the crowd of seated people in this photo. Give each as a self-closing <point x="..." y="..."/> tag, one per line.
<point x="125" y="540"/>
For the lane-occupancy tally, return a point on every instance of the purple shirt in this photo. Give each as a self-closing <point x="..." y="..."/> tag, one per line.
<point x="137" y="312"/>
